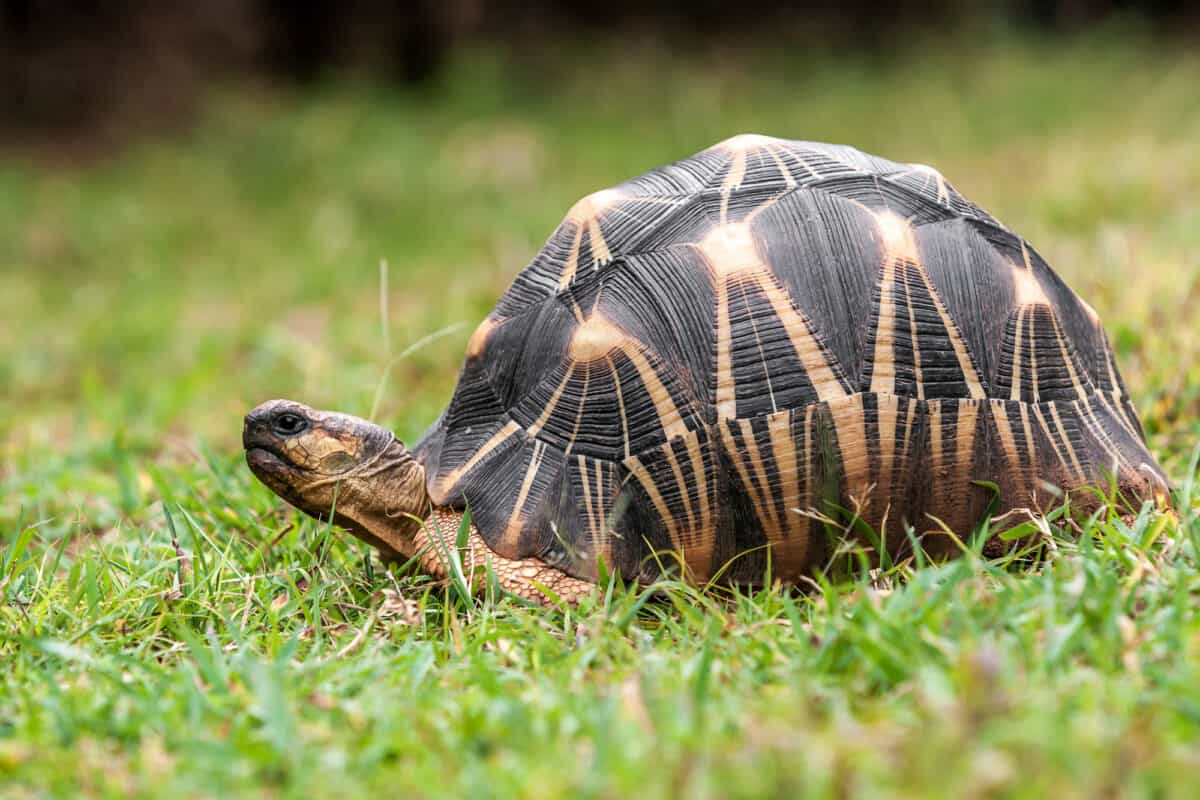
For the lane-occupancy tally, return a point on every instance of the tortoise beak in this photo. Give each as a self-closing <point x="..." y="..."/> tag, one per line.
<point x="259" y="443"/>
<point x="264" y="451"/>
<point x="254" y="429"/>
<point x="256" y="426"/>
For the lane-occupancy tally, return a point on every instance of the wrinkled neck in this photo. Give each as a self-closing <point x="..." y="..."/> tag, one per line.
<point x="385" y="503"/>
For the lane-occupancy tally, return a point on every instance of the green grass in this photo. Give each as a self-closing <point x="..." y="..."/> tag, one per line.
<point x="168" y="628"/>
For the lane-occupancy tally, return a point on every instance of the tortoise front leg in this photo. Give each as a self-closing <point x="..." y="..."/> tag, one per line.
<point x="521" y="577"/>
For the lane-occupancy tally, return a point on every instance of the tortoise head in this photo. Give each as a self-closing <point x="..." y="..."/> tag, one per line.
<point x="325" y="463"/>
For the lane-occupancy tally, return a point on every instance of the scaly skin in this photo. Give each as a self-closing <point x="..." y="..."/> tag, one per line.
<point x="521" y="577"/>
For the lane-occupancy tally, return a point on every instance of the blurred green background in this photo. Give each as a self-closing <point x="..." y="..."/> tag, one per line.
<point x="151" y="293"/>
<point x="179" y="242"/>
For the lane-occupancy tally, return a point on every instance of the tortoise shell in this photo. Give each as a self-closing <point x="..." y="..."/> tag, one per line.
<point x="718" y="357"/>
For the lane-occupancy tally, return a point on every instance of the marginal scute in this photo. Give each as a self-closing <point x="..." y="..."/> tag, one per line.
<point x="1161" y="489"/>
<point x="511" y="537"/>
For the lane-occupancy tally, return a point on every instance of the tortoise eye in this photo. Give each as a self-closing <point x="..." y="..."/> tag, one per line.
<point x="289" y="424"/>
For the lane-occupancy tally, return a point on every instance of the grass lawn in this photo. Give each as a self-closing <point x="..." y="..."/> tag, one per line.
<point x="169" y="628"/>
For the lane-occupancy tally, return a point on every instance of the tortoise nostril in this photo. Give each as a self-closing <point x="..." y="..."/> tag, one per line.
<point x="254" y="430"/>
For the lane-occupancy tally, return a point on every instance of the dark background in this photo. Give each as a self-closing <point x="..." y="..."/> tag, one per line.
<point x="92" y="73"/>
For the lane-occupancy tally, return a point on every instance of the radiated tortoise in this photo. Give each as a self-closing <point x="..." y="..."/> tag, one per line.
<point x="707" y="365"/>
